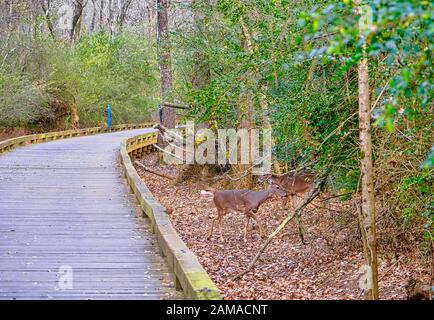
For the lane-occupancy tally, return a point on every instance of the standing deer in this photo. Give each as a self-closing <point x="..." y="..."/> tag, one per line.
<point x="294" y="184"/>
<point x="243" y="200"/>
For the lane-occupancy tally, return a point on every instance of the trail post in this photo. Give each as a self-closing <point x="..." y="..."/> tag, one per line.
<point x="108" y="117"/>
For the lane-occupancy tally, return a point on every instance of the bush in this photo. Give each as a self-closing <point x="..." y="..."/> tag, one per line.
<point x="44" y="79"/>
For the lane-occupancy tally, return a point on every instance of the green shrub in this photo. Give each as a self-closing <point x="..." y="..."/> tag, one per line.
<point x="44" y="78"/>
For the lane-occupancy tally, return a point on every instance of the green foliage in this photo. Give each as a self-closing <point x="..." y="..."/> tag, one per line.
<point x="119" y="71"/>
<point x="40" y="83"/>
<point x="306" y="101"/>
<point x="21" y="101"/>
<point x="429" y="162"/>
<point x="399" y="41"/>
<point x="304" y="62"/>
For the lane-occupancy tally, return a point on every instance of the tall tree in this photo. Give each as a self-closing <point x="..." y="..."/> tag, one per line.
<point x="245" y="109"/>
<point x="110" y="16"/>
<point x="101" y="15"/>
<point x="93" y="21"/>
<point x="46" y="7"/>
<point x="77" y="12"/>
<point x="122" y="14"/>
<point x="151" y="17"/>
<point x="201" y="72"/>
<point x="368" y="219"/>
<point x="167" y="115"/>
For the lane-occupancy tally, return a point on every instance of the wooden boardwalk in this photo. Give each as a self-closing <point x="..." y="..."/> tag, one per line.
<point x="69" y="228"/>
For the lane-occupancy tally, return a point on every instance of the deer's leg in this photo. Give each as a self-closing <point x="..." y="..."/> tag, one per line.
<point x="212" y="227"/>
<point x="220" y="229"/>
<point x="293" y="204"/>
<point x="284" y="202"/>
<point x="246" y="226"/>
<point x="301" y="231"/>
<point x="212" y="224"/>
<point x="220" y="217"/>
<point x="261" y="231"/>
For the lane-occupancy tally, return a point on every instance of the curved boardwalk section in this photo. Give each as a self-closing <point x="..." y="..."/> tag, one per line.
<point x="69" y="227"/>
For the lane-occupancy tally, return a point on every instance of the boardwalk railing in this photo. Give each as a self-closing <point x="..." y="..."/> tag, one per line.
<point x="10" y="144"/>
<point x="191" y="277"/>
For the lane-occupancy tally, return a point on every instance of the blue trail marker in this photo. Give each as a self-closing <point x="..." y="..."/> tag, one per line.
<point x="108" y="117"/>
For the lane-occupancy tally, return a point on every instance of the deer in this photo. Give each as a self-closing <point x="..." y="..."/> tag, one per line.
<point x="241" y="200"/>
<point x="294" y="184"/>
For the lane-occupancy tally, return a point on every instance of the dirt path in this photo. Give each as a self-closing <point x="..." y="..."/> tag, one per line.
<point x="326" y="268"/>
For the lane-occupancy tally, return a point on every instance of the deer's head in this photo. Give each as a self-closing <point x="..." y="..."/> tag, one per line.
<point x="277" y="189"/>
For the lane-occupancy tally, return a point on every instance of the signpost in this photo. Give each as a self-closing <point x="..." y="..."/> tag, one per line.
<point x="108" y="117"/>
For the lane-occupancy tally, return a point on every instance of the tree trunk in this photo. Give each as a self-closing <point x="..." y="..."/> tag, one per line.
<point x="368" y="199"/>
<point x="245" y="114"/>
<point x="74" y="33"/>
<point x="75" y="119"/>
<point x="202" y="72"/>
<point x="267" y="125"/>
<point x="101" y="16"/>
<point x="125" y="4"/>
<point x="110" y="17"/>
<point x="46" y="9"/>
<point x="167" y="115"/>
<point x="151" y="18"/>
<point x="93" y="22"/>
<point x="201" y="77"/>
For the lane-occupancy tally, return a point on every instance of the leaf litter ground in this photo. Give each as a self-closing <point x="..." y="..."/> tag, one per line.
<point x="326" y="268"/>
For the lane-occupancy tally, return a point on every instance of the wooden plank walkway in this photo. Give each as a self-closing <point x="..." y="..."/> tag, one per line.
<point x="64" y="204"/>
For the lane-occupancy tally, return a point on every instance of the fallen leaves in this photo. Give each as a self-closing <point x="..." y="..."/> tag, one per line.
<point x="325" y="268"/>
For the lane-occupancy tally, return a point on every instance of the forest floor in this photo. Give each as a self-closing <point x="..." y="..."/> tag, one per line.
<point x="326" y="268"/>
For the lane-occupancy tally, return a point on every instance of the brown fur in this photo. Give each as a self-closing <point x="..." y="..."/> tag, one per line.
<point x="293" y="184"/>
<point x="243" y="200"/>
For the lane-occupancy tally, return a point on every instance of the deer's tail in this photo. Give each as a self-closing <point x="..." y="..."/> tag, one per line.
<point x="208" y="191"/>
